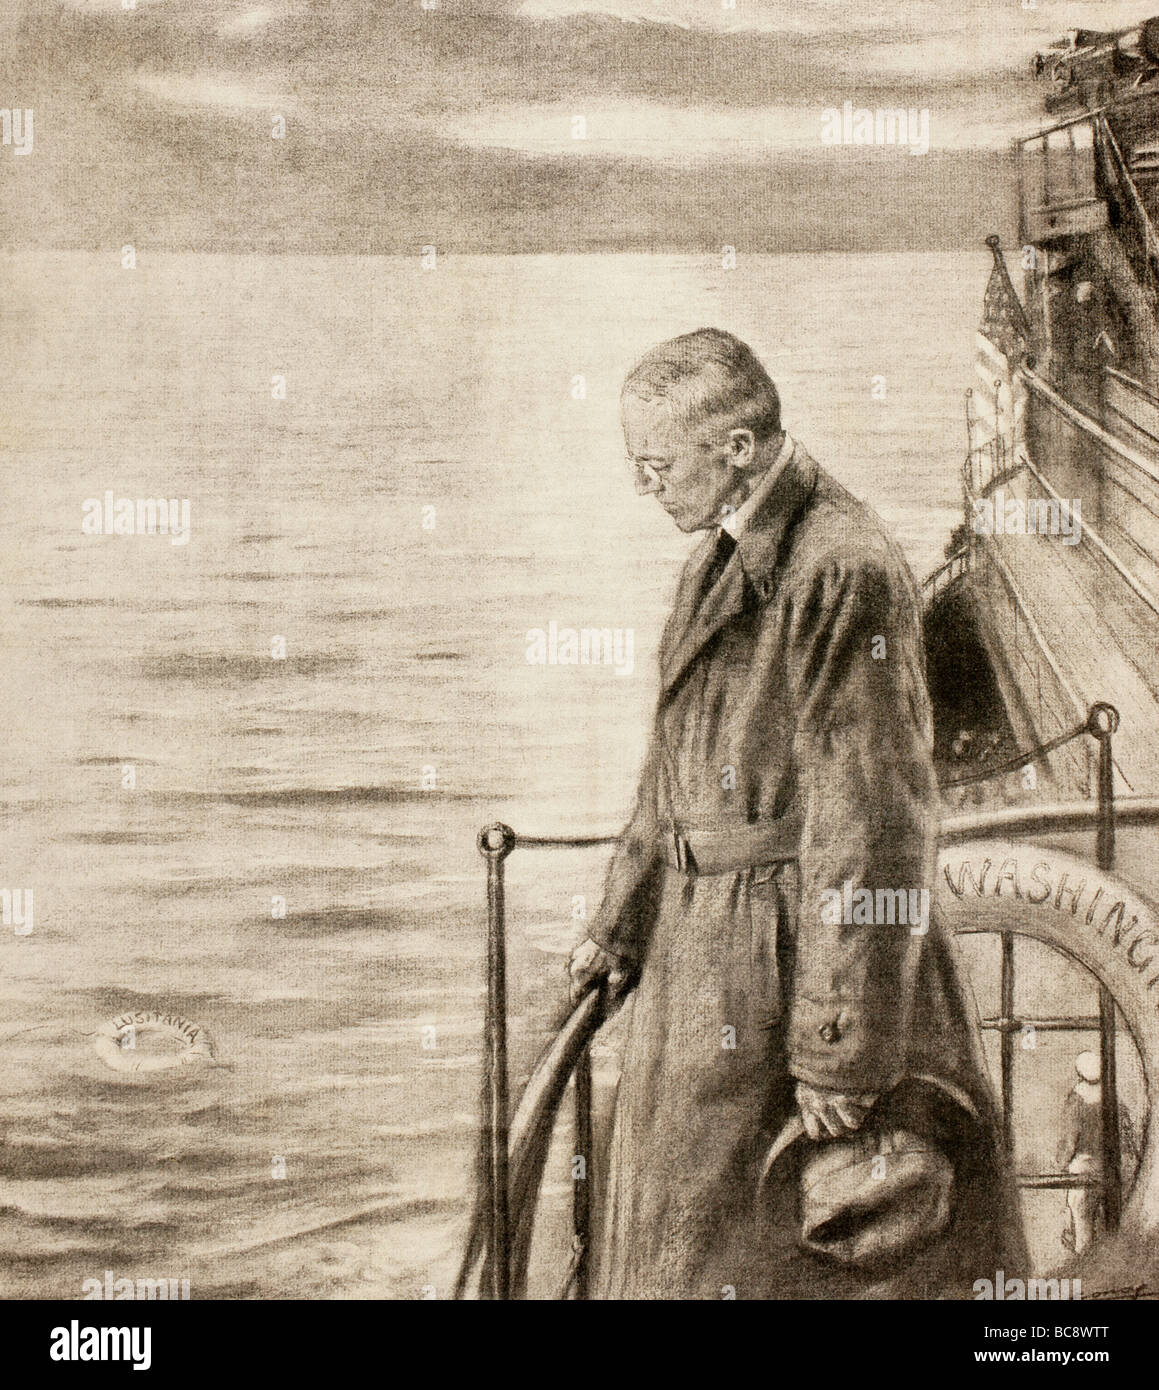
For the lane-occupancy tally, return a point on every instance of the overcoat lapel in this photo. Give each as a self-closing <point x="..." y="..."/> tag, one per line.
<point x="701" y="620"/>
<point x="698" y="616"/>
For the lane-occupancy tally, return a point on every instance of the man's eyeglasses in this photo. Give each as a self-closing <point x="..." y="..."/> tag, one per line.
<point x="647" y="475"/>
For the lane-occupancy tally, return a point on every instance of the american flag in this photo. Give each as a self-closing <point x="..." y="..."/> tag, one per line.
<point x="999" y="399"/>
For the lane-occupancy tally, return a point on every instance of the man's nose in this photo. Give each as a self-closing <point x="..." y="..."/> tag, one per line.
<point x="647" y="481"/>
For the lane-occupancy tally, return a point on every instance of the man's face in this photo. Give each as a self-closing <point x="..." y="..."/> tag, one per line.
<point x="691" y="475"/>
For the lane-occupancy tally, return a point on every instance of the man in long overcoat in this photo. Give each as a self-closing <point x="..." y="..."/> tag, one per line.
<point x="790" y="761"/>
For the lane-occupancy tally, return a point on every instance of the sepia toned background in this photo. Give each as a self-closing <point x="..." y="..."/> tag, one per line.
<point x="350" y="777"/>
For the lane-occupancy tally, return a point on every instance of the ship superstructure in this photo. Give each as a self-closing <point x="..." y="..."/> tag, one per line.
<point x="1050" y="598"/>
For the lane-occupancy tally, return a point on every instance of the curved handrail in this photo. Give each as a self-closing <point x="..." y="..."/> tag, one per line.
<point x="530" y="1132"/>
<point x="1055" y="817"/>
<point x="1089" y="533"/>
<point x="1081" y="421"/>
<point x="954" y="567"/>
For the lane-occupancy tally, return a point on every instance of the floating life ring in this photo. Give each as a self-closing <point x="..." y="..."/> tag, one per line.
<point x="117" y="1043"/>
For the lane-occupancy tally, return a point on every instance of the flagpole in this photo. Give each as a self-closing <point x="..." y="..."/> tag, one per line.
<point x="968" y="483"/>
<point x="995" y="245"/>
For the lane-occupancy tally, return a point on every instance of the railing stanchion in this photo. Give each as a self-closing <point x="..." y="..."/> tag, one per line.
<point x="582" y="1183"/>
<point x="1006" y="1040"/>
<point x="495" y="843"/>
<point x="1109" y="1093"/>
<point x="1103" y="721"/>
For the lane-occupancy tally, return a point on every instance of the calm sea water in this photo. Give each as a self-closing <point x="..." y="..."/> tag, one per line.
<point x="436" y="482"/>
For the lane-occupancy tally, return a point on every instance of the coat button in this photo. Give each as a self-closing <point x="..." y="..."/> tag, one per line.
<point x="830" y="1032"/>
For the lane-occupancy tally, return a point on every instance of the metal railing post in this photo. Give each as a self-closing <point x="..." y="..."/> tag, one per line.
<point x="1102" y="723"/>
<point x="582" y="1185"/>
<point x="495" y="843"/>
<point x="1006" y="1040"/>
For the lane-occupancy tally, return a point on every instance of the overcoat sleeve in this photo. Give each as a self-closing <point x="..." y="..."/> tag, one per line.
<point x="626" y="908"/>
<point x="866" y="788"/>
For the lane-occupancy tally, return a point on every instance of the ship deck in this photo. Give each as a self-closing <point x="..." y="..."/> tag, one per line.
<point x="1103" y="640"/>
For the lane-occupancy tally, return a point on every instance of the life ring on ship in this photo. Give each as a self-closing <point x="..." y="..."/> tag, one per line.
<point x="116" y="1042"/>
<point x="1084" y="913"/>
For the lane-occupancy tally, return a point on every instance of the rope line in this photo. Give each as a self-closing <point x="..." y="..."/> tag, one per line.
<point x="1020" y="760"/>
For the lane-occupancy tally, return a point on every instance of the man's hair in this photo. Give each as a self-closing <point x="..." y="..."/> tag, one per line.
<point x="708" y="376"/>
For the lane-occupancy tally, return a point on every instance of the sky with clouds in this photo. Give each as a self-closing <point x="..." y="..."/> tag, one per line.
<point x="457" y="123"/>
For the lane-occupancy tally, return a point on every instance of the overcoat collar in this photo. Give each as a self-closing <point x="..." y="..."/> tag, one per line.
<point x="753" y="562"/>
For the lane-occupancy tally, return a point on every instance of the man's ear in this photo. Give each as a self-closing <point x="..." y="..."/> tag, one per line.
<point x="742" y="448"/>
